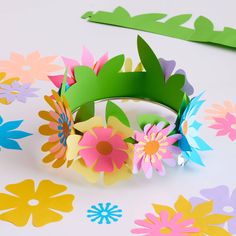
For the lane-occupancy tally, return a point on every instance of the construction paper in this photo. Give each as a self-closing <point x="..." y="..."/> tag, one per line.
<point x="29" y="68"/>
<point x="110" y="82"/>
<point x="9" y="134"/>
<point x="202" y="32"/>
<point x="43" y="203"/>
<point x="85" y="112"/>
<point x="104" y="213"/>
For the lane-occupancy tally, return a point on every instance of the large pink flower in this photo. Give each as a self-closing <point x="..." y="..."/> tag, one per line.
<point x="87" y="59"/>
<point x="226" y="126"/>
<point x="165" y="225"/>
<point x="154" y="146"/>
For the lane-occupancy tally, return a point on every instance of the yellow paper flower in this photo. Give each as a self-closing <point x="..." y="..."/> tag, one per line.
<point x="3" y="80"/>
<point x="209" y="224"/>
<point x="25" y="201"/>
<point x="60" y="126"/>
<point x="101" y="150"/>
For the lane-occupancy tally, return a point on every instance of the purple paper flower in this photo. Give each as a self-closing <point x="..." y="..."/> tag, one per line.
<point x="224" y="203"/>
<point x="16" y="91"/>
<point x="168" y="68"/>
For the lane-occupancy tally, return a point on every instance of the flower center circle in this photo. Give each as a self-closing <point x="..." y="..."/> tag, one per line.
<point x="33" y="202"/>
<point x="185" y="127"/>
<point x="26" y="67"/>
<point x="104" y="213"/>
<point x="151" y="147"/>
<point x="228" y="209"/>
<point x="165" y="230"/>
<point x="233" y="126"/>
<point x="104" y="147"/>
<point x="15" y="92"/>
<point x="65" y="129"/>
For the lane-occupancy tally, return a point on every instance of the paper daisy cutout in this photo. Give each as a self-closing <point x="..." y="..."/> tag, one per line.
<point x="42" y="204"/>
<point x="29" y="68"/>
<point x="59" y="127"/>
<point x="104" y="213"/>
<point x="154" y="146"/>
<point x="101" y="149"/>
<point x="9" y="134"/>
<point x="165" y="224"/>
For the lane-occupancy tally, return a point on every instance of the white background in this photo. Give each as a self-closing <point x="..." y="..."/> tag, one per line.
<point x="55" y="27"/>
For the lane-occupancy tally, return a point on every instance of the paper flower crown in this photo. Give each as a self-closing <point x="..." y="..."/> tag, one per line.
<point x="112" y="148"/>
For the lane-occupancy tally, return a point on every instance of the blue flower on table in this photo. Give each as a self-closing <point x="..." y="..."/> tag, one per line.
<point x="104" y="213"/>
<point x="8" y="134"/>
<point x="191" y="143"/>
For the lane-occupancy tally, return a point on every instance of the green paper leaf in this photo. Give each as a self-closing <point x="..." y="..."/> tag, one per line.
<point x="178" y="20"/>
<point x="85" y="112"/>
<point x="113" y="110"/>
<point x="151" y="17"/>
<point x="183" y="106"/>
<point x="150" y="119"/>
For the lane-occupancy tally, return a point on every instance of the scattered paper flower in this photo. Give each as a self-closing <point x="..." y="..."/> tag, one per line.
<point x="43" y="203"/>
<point x="16" y="91"/>
<point x="87" y="59"/>
<point x="165" y="224"/>
<point x="104" y="213"/>
<point x="154" y="146"/>
<point x="29" y="68"/>
<point x="226" y="126"/>
<point x="8" y="134"/>
<point x="191" y="143"/>
<point x="224" y="203"/>
<point x="101" y="150"/>
<point x="58" y="129"/>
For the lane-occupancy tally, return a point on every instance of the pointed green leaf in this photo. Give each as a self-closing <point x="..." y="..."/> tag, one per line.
<point x="121" y="12"/>
<point x="85" y="112"/>
<point x="178" y="20"/>
<point x="150" y="119"/>
<point x="151" y="17"/>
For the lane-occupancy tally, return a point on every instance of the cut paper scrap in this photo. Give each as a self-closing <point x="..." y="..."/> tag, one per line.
<point x="183" y="219"/>
<point x="43" y="203"/>
<point x="224" y="203"/>
<point x="104" y="213"/>
<point x="29" y="68"/>
<point x="9" y="134"/>
<point x="203" y="30"/>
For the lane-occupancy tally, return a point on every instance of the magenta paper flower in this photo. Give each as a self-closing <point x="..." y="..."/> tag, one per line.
<point x="155" y="145"/>
<point x="226" y="126"/>
<point x="87" y="59"/>
<point x="165" y="225"/>
<point x="16" y="91"/>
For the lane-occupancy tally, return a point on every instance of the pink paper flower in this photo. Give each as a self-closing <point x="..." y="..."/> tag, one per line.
<point x="165" y="225"/>
<point x="154" y="146"/>
<point x="226" y="126"/>
<point x="87" y="59"/>
<point x="29" y="68"/>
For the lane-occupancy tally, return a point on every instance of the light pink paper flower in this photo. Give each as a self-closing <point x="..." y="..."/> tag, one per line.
<point x="87" y="59"/>
<point x="226" y="126"/>
<point x="29" y="68"/>
<point x="165" y="225"/>
<point x="153" y="147"/>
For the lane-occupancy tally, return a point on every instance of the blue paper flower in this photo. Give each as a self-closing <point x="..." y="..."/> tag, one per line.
<point x="104" y="213"/>
<point x="8" y="134"/>
<point x="190" y="142"/>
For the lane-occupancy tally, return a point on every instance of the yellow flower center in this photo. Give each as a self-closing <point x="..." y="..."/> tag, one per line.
<point x="66" y="130"/>
<point x="151" y="147"/>
<point x="165" y="230"/>
<point x="104" y="147"/>
<point x="33" y="202"/>
<point x="185" y="127"/>
<point x="233" y="126"/>
<point x="14" y="92"/>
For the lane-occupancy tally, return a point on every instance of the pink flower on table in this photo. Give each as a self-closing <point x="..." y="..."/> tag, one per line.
<point x="29" y="68"/>
<point x="155" y="145"/>
<point x="87" y="59"/>
<point x="226" y="126"/>
<point x="164" y="224"/>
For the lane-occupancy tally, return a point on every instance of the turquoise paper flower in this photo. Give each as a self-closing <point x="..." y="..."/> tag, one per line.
<point x="191" y="143"/>
<point x="8" y="134"/>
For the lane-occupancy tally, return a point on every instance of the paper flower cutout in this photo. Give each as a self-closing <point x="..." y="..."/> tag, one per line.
<point x="8" y="134"/>
<point x="29" y="68"/>
<point x="87" y="59"/>
<point x="16" y="91"/>
<point x="101" y="150"/>
<point x="58" y="129"/>
<point x="154" y="146"/>
<point x="165" y="224"/>
<point x="191" y="143"/>
<point x="104" y="213"/>
<point x="204" y="220"/>
<point x="224" y="203"/>
<point x="43" y="203"/>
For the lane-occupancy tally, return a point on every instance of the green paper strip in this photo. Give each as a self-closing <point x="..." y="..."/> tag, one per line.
<point x="203" y="28"/>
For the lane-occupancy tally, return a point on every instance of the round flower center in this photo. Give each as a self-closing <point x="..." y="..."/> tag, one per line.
<point x="151" y="147"/>
<point x="104" y="213"/>
<point x="26" y="68"/>
<point x="15" y="92"/>
<point x="228" y="209"/>
<point x="104" y="147"/>
<point x="66" y="129"/>
<point x="233" y="126"/>
<point x="165" y="230"/>
<point x="185" y="127"/>
<point x="33" y="202"/>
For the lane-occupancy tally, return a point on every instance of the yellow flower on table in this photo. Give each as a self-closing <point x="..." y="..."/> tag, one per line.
<point x="41" y="203"/>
